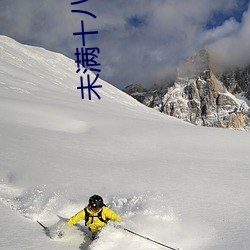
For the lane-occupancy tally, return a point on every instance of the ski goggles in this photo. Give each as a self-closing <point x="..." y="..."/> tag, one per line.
<point x="94" y="208"/>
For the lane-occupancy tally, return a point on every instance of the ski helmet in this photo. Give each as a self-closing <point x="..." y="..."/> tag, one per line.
<point x="95" y="202"/>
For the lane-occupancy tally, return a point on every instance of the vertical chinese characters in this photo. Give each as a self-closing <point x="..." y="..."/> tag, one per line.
<point x="86" y="56"/>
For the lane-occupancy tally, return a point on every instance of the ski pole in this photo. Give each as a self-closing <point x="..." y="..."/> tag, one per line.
<point x="45" y="228"/>
<point x="146" y="238"/>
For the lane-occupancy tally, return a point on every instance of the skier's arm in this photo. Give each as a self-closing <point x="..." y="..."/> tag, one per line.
<point x="77" y="217"/>
<point x="110" y="214"/>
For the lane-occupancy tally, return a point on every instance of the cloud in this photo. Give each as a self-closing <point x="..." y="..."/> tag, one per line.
<point x="140" y="41"/>
<point x="228" y="28"/>
<point x="233" y="49"/>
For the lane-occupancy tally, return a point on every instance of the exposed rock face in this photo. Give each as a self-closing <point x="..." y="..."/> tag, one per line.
<point x="237" y="81"/>
<point x="199" y="97"/>
<point x="137" y="91"/>
<point x="134" y="88"/>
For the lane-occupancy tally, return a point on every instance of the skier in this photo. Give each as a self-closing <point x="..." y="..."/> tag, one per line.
<point x="95" y="214"/>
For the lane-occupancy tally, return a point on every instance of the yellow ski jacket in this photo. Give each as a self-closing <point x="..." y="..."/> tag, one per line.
<point x="94" y="223"/>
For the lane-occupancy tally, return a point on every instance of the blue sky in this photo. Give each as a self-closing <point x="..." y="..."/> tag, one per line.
<point x="140" y="41"/>
<point x="218" y="17"/>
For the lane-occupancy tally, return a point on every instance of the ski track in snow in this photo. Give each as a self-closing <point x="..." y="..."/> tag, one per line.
<point x="42" y="116"/>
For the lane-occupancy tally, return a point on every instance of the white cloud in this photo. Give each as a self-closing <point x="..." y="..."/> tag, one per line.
<point x="171" y="31"/>
<point x="233" y="50"/>
<point x="228" y="28"/>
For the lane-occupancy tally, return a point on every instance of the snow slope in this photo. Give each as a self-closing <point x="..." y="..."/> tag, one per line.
<point x="176" y="183"/>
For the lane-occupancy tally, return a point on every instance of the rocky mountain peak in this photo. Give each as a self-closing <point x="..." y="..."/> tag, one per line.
<point x="202" y="97"/>
<point x="196" y="64"/>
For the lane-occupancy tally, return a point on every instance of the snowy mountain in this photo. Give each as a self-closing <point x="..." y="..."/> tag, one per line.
<point x="182" y="185"/>
<point x="201" y="95"/>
